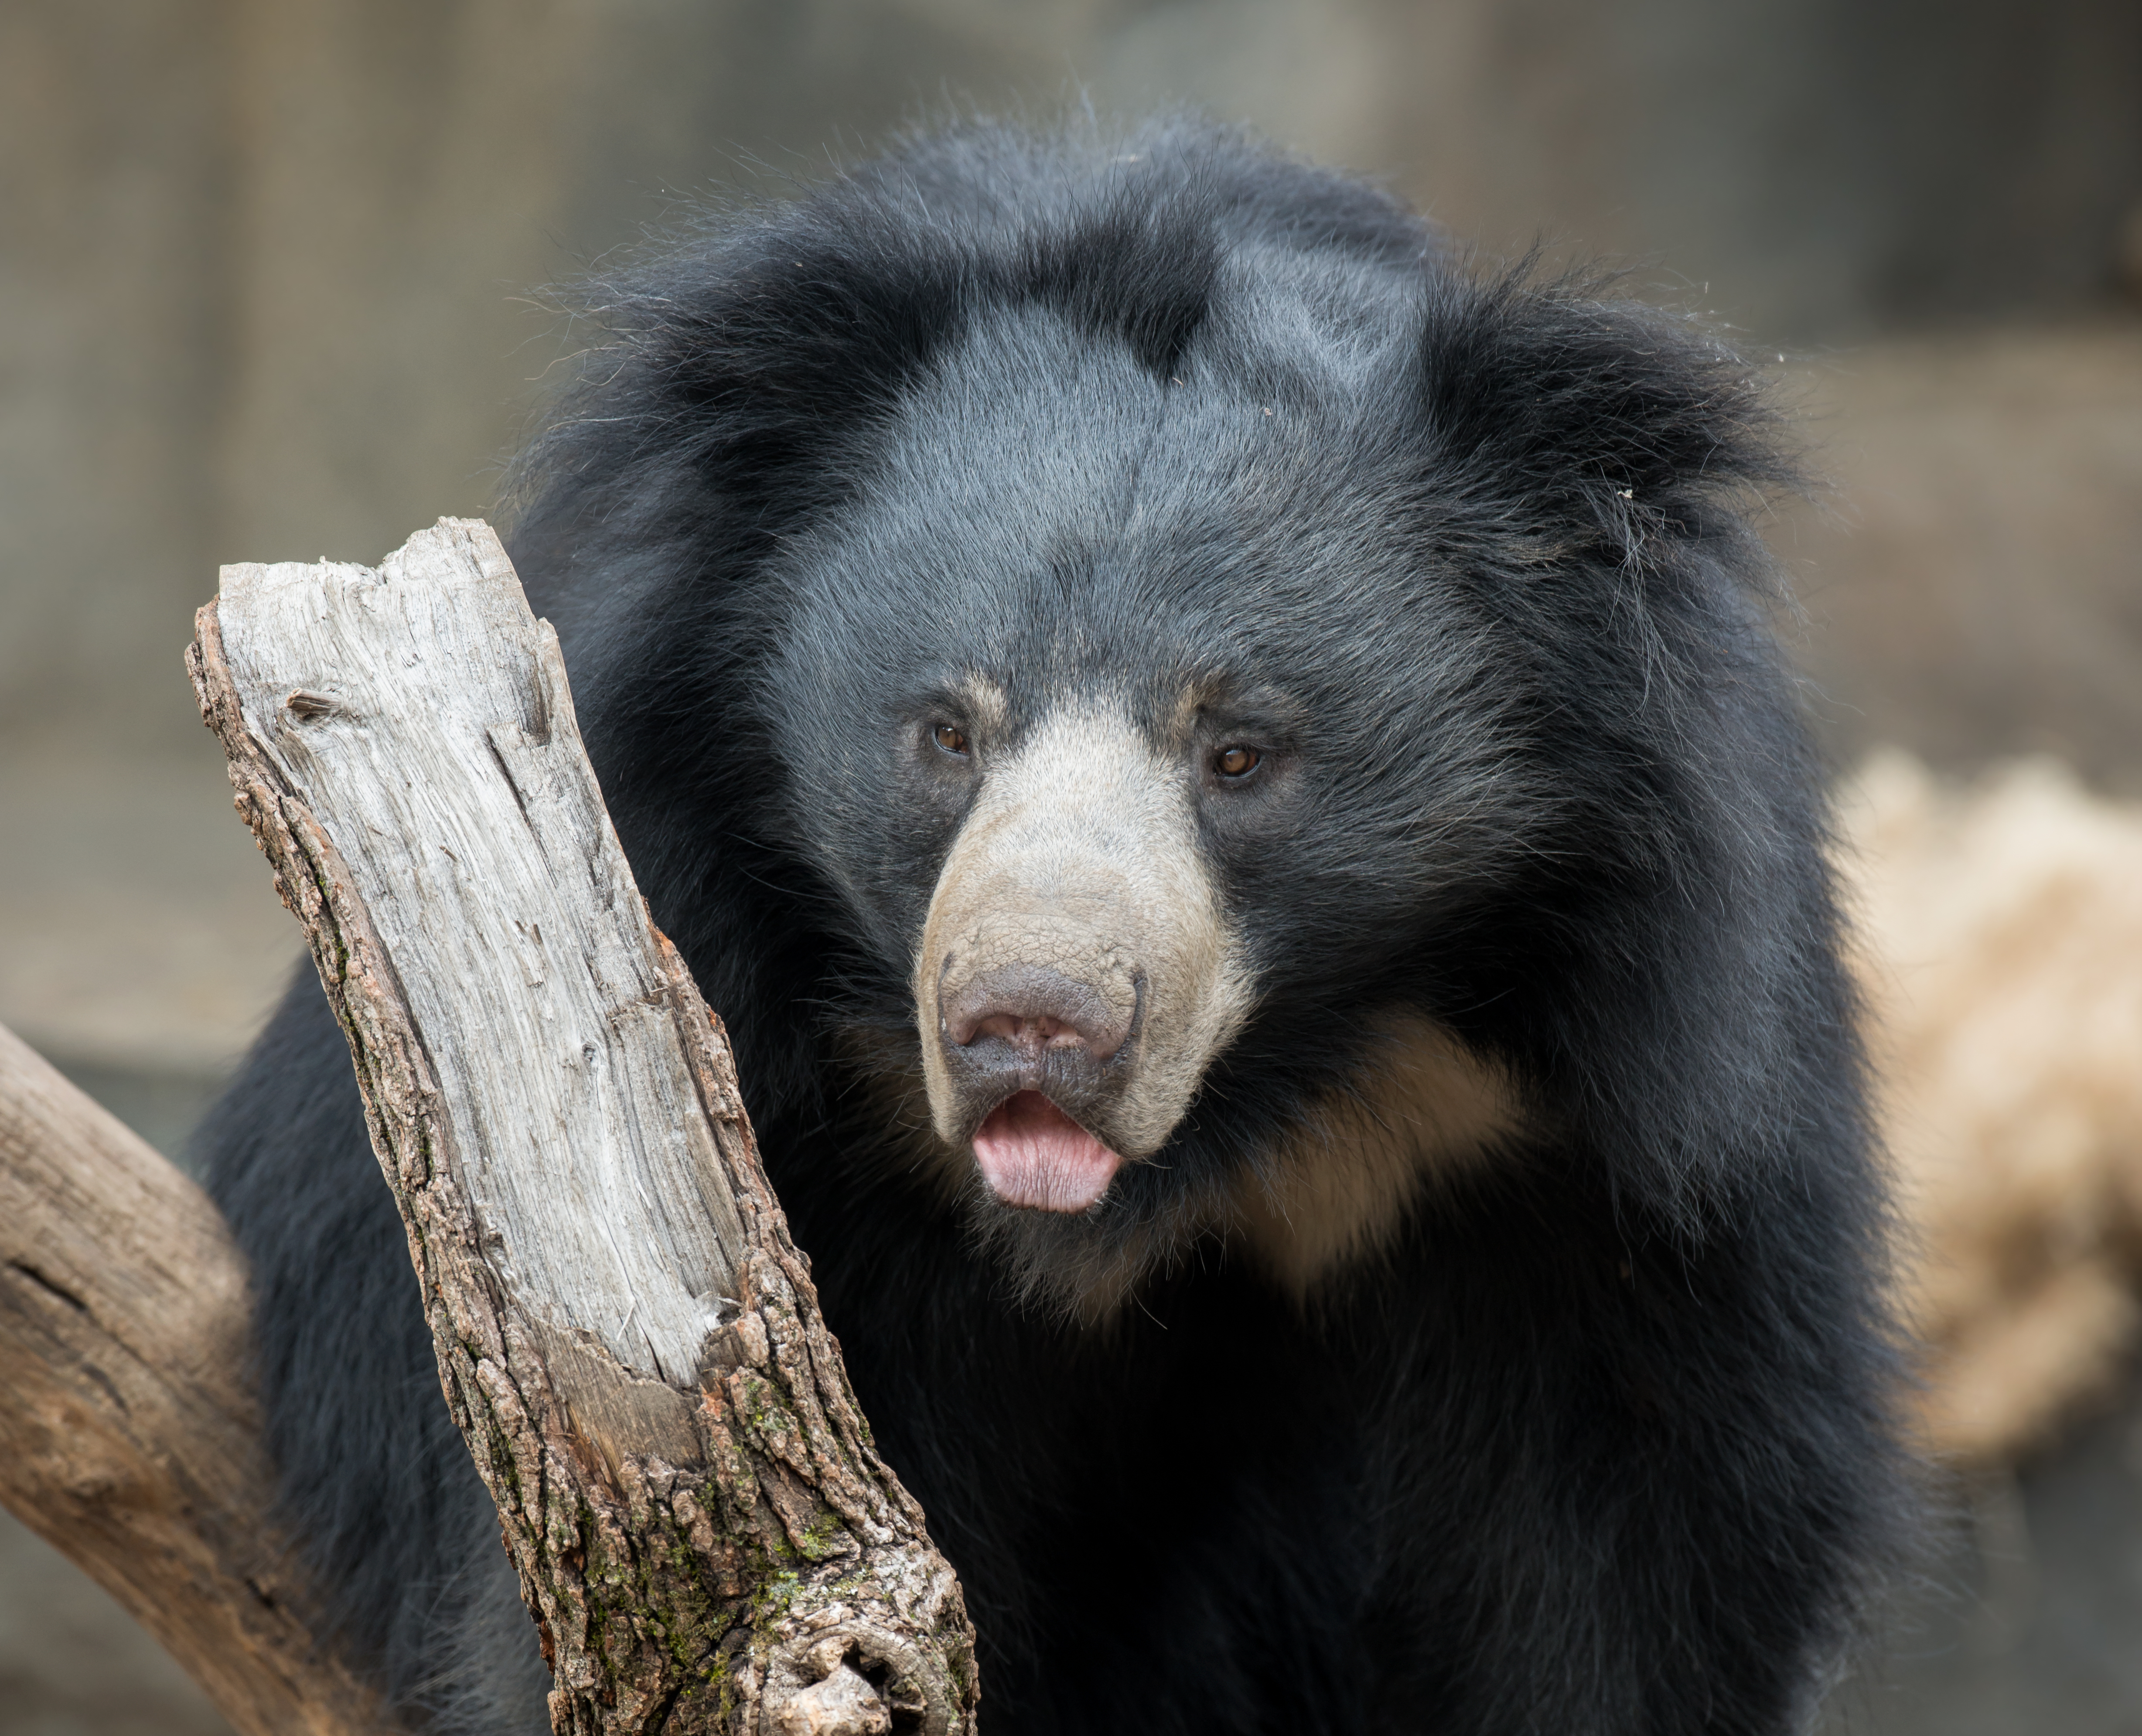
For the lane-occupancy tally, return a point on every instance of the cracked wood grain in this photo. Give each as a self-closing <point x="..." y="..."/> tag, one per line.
<point x="626" y="1335"/>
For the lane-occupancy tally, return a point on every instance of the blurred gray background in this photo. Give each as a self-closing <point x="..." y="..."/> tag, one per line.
<point x="264" y="276"/>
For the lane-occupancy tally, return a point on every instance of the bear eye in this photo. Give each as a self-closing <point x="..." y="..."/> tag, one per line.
<point x="1236" y="762"/>
<point x="953" y="741"/>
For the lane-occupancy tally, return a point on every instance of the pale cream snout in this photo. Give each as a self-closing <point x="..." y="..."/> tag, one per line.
<point x="1076" y="976"/>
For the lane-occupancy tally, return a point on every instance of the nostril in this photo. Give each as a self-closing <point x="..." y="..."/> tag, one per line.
<point x="1034" y="1009"/>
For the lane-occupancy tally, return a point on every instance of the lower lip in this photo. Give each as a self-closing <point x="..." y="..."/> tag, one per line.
<point x="1032" y="1154"/>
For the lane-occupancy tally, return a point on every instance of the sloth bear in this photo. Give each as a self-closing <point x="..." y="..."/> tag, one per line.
<point x="1230" y="776"/>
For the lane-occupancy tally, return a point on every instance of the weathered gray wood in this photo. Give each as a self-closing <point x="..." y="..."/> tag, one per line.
<point x="129" y="1436"/>
<point x="625" y="1334"/>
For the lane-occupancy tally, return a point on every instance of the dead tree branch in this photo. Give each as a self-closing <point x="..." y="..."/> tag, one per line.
<point x="129" y="1436"/>
<point x="626" y="1335"/>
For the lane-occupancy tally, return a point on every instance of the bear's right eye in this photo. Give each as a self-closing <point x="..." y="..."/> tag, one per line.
<point x="952" y="741"/>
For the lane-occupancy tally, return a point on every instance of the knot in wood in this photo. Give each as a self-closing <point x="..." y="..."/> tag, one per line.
<point x="842" y="1704"/>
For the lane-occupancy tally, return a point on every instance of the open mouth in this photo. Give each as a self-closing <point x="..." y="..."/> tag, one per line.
<point x="1032" y="1154"/>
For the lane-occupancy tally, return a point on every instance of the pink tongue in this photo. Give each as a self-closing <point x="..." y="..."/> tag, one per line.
<point x="1032" y="1154"/>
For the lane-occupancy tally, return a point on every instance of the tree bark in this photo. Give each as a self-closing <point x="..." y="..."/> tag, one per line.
<point x="626" y="1335"/>
<point x="129" y="1439"/>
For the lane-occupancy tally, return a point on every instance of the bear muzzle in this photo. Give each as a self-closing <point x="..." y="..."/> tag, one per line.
<point x="1076" y="976"/>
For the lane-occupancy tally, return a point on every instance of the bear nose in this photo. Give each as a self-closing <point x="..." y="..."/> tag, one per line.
<point x="1034" y="1009"/>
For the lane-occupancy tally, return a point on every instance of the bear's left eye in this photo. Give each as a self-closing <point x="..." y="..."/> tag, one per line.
<point x="951" y="740"/>
<point x="1236" y="762"/>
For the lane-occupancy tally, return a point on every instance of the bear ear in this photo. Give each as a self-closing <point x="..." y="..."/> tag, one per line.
<point x="1588" y="415"/>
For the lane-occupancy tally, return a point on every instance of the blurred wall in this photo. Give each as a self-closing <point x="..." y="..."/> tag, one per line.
<point x="262" y="263"/>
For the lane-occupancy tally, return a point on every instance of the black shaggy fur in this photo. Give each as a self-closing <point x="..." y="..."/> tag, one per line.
<point x="1598" y="1443"/>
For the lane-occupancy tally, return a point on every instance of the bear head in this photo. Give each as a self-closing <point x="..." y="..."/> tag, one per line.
<point x="1184" y="697"/>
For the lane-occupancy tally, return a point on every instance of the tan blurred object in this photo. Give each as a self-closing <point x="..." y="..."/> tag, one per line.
<point x="2002" y="934"/>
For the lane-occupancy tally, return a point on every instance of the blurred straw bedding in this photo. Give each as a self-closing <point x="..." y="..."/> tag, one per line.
<point x="2001" y="948"/>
